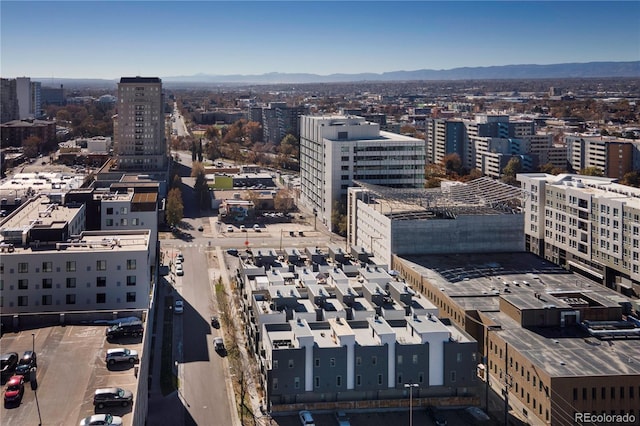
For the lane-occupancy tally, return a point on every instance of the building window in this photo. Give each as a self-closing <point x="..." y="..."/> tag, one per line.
<point x="47" y="283"/>
<point x="453" y="376"/>
<point x="380" y="379"/>
<point x="316" y="381"/>
<point x="47" y="266"/>
<point x="275" y="383"/>
<point x="332" y="362"/>
<point x="399" y="359"/>
<point x="123" y="221"/>
<point x="420" y="377"/>
<point x="131" y="264"/>
<point x="374" y="360"/>
<point x="71" y="266"/>
<point x="459" y="358"/>
<point x="131" y="280"/>
<point x="415" y="359"/>
<point x="290" y="363"/>
<point x="101" y="265"/>
<point x="275" y="364"/>
<point x="131" y="297"/>
<point x="23" y="301"/>
<point x="135" y="221"/>
<point x="338" y="381"/>
<point x="71" y="282"/>
<point x="101" y="297"/>
<point x="358" y="360"/>
<point x="399" y="379"/>
<point x="109" y="210"/>
<point x="296" y="382"/>
<point x="317" y="362"/>
<point x="47" y="299"/>
<point x="23" y="284"/>
<point x="101" y="281"/>
<point x="23" y="267"/>
<point x="124" y="210"/>
<point x="358" y="380"/>
<point x="109" y="222"/>
<point x="71" y="299"/>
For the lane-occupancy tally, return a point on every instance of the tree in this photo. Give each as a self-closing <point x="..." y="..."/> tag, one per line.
<point x="200" y="151"/>
<point x="513" y="167"/>
<point x="631" y="179"/>
<point x="591" y="171"/>
<point x="175" y="207"/>
<point x="31" y="146"/>
<point x="452" y="163"/>
<point x="290" y="146"/>
<point x="283" y="201"/>
<point x="339" y="217"/>
<point x="200" y="186"/>
<point x="193" y="151"/>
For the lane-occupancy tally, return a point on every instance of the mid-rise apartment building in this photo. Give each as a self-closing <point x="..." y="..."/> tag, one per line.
<point x="612" y="156"/>
<point x="139" y="127"/>
<point x="336" y="150"/>
<point x="29" y="98"/>
<point x="587" y="224"/>
<point x="9" y="109"/>
<point x="50" y="264"/>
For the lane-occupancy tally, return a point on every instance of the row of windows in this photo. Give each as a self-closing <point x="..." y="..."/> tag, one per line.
<point x="613" y="391"/>
<point x="23" y="283"/>
<point x="70" y="299"/>
<point x="124" y="222"/>
<point x="47" y="266"/>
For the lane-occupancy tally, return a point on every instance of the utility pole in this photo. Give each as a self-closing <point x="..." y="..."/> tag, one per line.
<point x="411" y="386"/>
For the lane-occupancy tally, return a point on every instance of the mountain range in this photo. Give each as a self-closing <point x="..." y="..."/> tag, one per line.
<point x="569" y="70"/>
<point x="531" y="71"/>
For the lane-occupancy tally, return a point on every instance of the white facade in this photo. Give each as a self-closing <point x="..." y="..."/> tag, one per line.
<point x="139" y="129"/>
<point x="589" y="224"/>
<point x="336" y="150"/>
<point x="100" y="271"/>
<point x="29" y="102"/>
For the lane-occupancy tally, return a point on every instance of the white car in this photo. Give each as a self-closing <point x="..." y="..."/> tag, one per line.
<point x="179" y="269"/>
<point x="121" y="355"/>
<point x="101" y="419"/>
<point x="242" y="228"/>
<point x="306" y="419"/>
<point x="178" y="307"/>
<point x="229" y="228"/>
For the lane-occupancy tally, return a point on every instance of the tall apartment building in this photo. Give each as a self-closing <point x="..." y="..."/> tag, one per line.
<point x="53" y="95"/>
<point x="139" y="127"/>
<point x="614" y="157"/>
<point x="443" y="137"/>
<point x="29" y="102"/>
<point x="587" y="224"/>
<point x="278" y="120"/>
<point x="336" y="150"/>
<point x="9" y="110"/>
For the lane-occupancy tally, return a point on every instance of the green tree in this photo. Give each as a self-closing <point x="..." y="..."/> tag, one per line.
<point x="339" y="217"/>
<point x="452" y="163"/>
<point x="631" y="179"/>
<point x="200" y="186"/>
<point x="31" y="146"/>
<point x="510" y="171"/>
<point x="175" y="208"/>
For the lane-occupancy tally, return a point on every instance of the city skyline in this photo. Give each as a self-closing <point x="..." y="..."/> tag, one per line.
<point x="109" y="39"/>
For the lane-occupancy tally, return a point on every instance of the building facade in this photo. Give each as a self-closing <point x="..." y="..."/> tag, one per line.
<point x="336" y="150"/>
<point x="9" y="109"/>
<point x="139" y="127"/>
<point x="587" y="224"/>
<point x="613" y="157"/>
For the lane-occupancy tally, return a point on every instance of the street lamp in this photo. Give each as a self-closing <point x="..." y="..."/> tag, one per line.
<point x="33" y="342"/>
<point x="411" y="386"/>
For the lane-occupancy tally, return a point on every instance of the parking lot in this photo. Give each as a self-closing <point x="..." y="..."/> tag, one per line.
<point x="71" y="365"/>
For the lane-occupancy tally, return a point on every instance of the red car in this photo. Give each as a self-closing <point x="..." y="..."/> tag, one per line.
<point x="14" y="390"/>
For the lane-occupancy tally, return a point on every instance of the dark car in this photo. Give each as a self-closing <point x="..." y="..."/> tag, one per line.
<point x="215" y="322"/>
<point x="112" y="396"/>
<point x="14" y="390"/>
<point x="436" y="415"/>
<point x="129" y="329"/>
<point x="232" y="252"/>
<point x="9" y="362"/>
<point x="26" y="363"/>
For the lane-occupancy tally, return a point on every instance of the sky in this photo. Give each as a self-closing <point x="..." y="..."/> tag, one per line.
<point x="111" y="39"/>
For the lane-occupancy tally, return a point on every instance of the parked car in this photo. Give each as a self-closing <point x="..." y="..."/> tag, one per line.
<point x="8" y="362"/>
<point x="178" y="307"/>
<point x="256" y="227"/>
<point x="180" y="257"/>
<point x="200" y="228"/>
<point x="243" y="228"/>
<point x="102" y="420"/>
<point x="128" y="329"/>
<point x="215" y="322"/>
<point x="112" y="396"/>
<point x="26" y="363"/>
<point x="342" y="418"/>
<point x="232" y="251"/>
<point x="306" y="419"/>
<point x="179" y="269"/>
<point x="229" y="228"/>
<point x="218" y="344"/>
<point x="436" y="415"/>
<point x="121" y="355"/>
<point x="14" y="390"/>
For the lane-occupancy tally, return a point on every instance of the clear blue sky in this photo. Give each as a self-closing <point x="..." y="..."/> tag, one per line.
<point x="110" y="39"/>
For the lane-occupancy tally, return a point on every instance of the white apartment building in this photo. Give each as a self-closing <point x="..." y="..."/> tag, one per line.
<point x="50" y="264"/>
<point x="587" y="224"/>
<point x="139" y="127"/>
<point x="130" y="211"/>
<point x="612" y="156"/>
<point x="29" y="99"/>
<point x="336" y="150"/>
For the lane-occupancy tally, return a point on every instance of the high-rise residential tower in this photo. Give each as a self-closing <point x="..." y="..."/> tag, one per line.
<point x="139" y="127"/>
